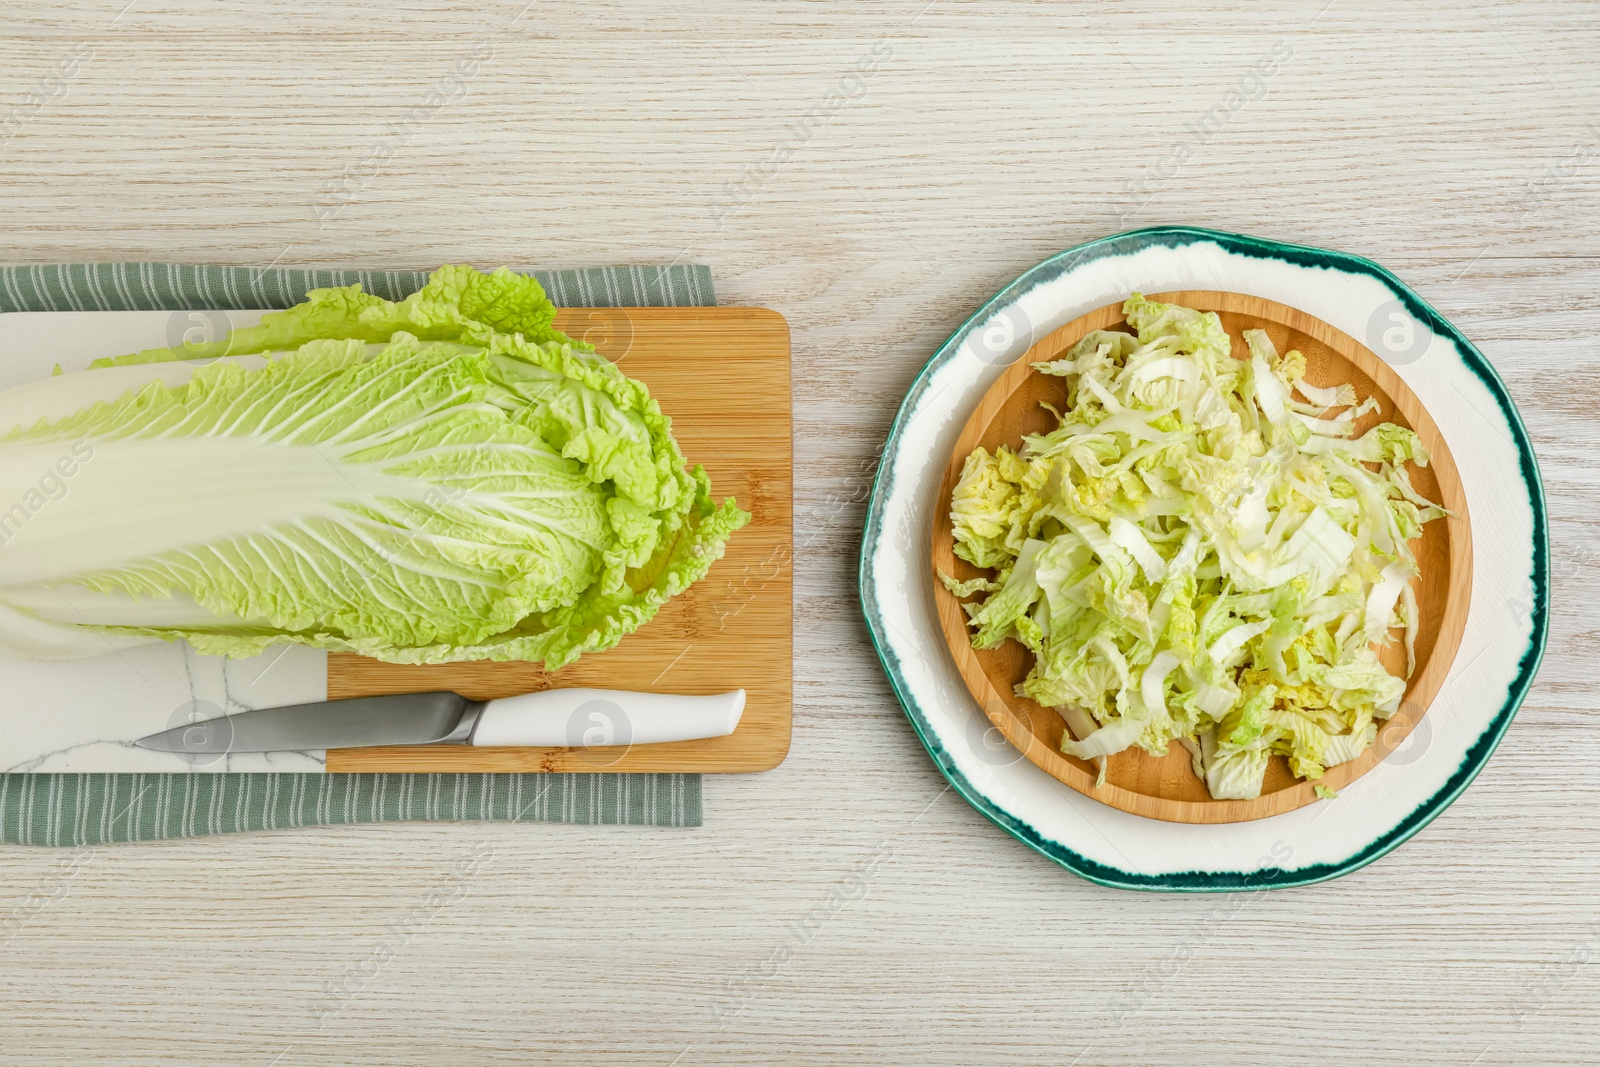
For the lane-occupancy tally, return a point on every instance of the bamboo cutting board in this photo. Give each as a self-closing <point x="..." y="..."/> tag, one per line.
<point x="722" y="375"/>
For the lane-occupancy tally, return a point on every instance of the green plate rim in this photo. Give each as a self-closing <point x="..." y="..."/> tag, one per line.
<point x="1269" y="877"/>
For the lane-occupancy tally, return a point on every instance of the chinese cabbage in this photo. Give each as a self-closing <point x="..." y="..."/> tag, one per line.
<point x="440" y="478"/>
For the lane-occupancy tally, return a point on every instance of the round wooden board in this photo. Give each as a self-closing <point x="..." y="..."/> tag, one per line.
<point x="1166" y="788"/>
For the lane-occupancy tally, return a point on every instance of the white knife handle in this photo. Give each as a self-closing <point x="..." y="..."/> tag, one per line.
<point x="583" y="718"/>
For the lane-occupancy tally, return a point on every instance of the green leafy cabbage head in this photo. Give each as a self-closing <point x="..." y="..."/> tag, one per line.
<point x="440" y="478"/>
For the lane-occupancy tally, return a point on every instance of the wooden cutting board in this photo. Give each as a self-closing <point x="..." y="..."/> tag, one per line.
<point x="722" y="375"/>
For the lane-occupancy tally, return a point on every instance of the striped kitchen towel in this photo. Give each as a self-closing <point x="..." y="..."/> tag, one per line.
<point x="93" y="809"/>
<point x="182" y="286"/>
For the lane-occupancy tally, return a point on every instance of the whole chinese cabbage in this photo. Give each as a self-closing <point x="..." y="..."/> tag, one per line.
<point x="1195" y="555"/>
<point x="447" y="477"/>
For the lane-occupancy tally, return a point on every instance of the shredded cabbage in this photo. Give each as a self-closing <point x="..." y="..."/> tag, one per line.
<point x="1196" y="555"/>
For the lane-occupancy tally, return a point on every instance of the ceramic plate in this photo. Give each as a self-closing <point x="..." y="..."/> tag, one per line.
<point x="1500" y="649"/>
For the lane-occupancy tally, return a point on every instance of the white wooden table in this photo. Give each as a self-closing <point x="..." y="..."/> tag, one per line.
<point x="1457" y="144"/>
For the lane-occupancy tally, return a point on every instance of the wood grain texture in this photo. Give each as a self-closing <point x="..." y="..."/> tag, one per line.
<point x="1166" y="787"/>
<point x="722" y="376"/>
<point x="1446" y="142"/>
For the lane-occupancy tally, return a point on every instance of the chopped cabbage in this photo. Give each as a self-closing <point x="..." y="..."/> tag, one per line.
<point x="1195" y="555"/>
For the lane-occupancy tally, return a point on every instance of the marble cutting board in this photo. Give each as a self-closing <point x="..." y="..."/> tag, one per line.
<point x="83" y="715"/>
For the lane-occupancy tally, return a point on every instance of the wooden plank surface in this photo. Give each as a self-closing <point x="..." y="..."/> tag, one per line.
<point x="845" y="906"/>
<point x="722" y="375"/>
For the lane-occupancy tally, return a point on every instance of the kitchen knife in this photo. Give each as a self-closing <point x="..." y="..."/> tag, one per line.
<point x="574" y="718"/>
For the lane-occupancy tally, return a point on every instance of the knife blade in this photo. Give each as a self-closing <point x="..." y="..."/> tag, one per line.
<point x="570" y="718"/>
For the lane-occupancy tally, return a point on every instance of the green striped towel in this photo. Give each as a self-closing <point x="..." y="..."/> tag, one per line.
<point x="93" y="809"/>
<point x="184" y="286"/>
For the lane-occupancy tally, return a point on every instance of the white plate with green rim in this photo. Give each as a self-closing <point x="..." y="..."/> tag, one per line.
<point x="1499" y="653"/>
